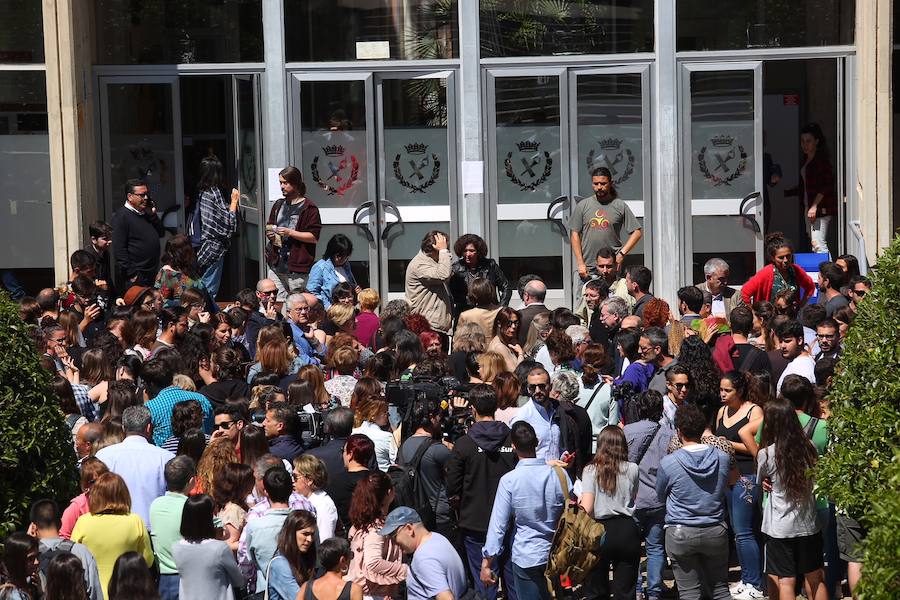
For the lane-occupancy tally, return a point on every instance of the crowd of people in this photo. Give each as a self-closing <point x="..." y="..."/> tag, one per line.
<point x="305" y="439"/>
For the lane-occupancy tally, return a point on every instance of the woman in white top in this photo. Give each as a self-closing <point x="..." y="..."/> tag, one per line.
<point x="310" y="479"/>
<point x="206" y="565"/>
<point x="373" y="413"/>
<point x="609" y="489"/>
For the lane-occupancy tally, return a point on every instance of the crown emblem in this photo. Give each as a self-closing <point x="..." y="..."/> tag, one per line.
<point x="528" y="146"/>
<point x="416" y="148"/>
<point x="333" y="150"/>
<point x="722" y="141"/>
<point x="610" y="143"/>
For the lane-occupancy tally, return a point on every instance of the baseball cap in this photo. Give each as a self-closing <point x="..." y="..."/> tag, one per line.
<point x="402" y="515"/>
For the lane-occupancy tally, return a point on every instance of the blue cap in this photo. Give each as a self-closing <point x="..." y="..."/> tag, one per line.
<point x="402" y="515"/>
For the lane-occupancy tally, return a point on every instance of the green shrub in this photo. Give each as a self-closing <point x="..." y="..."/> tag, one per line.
<point x="861" y="471"/>
<point x="37" y="459"/>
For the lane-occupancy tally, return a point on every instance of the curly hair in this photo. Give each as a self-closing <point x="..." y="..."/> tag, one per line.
<point x="481" y="248"/>
<point x="656" y="313"/>
<point x="560" y="347"/>
<point x="213" y="460"/>
<point x="368" y="499"/>
<point x="705" y="376"/>
<point x="416" y="323"/>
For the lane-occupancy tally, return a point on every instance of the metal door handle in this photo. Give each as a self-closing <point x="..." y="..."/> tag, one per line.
<point x="388" y="226"/>
<point x="363" y="226"/>
<point x="748" y="218"/>
<point x="553" y="205"/>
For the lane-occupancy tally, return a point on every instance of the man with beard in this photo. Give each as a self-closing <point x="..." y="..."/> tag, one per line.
<point x="599" y="222"/>
<point x="173" y="324"/>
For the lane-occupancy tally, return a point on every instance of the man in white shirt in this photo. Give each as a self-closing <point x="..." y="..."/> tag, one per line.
<point x="137" y="461"/>
<point x="793" y="348"/>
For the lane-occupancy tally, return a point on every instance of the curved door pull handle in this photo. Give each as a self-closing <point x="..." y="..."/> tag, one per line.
<point x="387" y="227"/>
<point x="553" y="220"/>
<point x="363" y="226"/>
<point x="750" y="219"/>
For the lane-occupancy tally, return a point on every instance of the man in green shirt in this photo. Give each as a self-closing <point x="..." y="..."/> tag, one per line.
<point x="165" y="521"/>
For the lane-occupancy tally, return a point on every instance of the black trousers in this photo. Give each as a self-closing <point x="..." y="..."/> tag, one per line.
<point x="621" y="553"/>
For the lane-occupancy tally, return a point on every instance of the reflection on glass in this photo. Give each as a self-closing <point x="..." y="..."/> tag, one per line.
<point x="610" y="128"/>
<point x="141" y="140"/>
<point x="179" y="31"/>
<point x="24" y="172"/>
<point x="333" y="133"/>
<point x="22" y="33"/>
<point x="559" y="27"/>
<point x="415" y="142"/>
<point x="528" y="146"/>
<point x="531" y="247"/>
<point x="403" y="242"/>
<point x="703" y="25"/>
<point x="728" y="238"/>
<point x="320" y="30"/>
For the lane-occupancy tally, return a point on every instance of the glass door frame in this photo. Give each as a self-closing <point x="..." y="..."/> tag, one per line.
<point x="560" y="209"/>
<point x="720" y="206"/>
<point x="247" y="214"/>
<point x="110" y="202"/>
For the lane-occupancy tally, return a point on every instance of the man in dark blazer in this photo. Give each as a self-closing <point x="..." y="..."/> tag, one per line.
<point x="533" y="294"/>
<point x="724" y="298"/>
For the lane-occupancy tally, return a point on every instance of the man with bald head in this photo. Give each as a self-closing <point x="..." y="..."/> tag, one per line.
<point x="533" y="295"/>
<point x="85" y="437"/>
<point x="48" y="301"/>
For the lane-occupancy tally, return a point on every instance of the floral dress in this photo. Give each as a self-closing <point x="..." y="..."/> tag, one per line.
<point x="171" y="284"/>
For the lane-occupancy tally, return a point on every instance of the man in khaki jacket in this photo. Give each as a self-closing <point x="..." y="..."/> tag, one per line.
<point x="427" y="275"/>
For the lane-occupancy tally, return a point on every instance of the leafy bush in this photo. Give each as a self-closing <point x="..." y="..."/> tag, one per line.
<point x="37" y="459"/>
<point x="861" y="471"/>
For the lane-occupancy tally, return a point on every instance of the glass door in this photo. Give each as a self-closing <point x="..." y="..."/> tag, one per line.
<point x="724" y="173"/>
<point x="247" y="165"/>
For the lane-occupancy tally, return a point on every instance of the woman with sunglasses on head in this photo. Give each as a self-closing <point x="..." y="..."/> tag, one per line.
<point x="505" y="340"/>
<point x="781" y="274"/>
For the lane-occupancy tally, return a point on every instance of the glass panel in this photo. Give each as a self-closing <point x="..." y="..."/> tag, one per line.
<point x="531" y="247"/>
<point x="321" y="30"/>
<point x="248" y="150"/>
<point x="24" y="172"/>
<point x="528" y="146"/>
<point x="179" y="31"/>
<point x="404" y="241"/>
<point x="559" y="27"/>
<point x="704" y="25"/>
<point x="723" y="165"/>
<point x="333" y="129"/>
<point x="142" y="141"/>
<point x="22" y="36"/>
<point x="359" y="258"/>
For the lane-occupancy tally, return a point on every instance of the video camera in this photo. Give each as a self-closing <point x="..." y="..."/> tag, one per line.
<point x="404" y="394"/>
<point x="309" y="427"/>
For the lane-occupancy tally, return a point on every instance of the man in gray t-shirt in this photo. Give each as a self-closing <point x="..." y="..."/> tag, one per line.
<point x="600" y="221"/>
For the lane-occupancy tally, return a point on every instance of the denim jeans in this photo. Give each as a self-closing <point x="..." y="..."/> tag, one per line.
<point x="12" y="285"/>
<point x="818" y="234"/>
<point x="530" y="582"/>
<point x="699" y="558"/>
<point x="650" y="521"/>
<point x="473" y="542"/>
<point x="212" y="277"/>
<point x="168" y="586"/>
<point x="743" y="501"/>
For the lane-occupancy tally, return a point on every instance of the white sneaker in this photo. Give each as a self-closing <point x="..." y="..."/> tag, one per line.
<point x="737" y="587"/>
<point x="749" y="592"/>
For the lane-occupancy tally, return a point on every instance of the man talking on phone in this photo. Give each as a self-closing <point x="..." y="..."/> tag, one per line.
<point x="135" y="237"/>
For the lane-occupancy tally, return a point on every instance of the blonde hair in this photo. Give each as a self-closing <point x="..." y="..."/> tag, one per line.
<point x="368" y="299"/>
<point x="217" y="454"/>
<point x="184" y="382"/>
<point x="490" y="364"/>
<point x="314" y="469"/>
<point x="340" y="314"/>
<point x="540" y="325"/>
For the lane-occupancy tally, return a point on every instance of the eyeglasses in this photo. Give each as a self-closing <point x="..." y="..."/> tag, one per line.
<point x="299" y="309"/>
<point x="825" y="336"/>
<point x="537" y="386"/>
<point x="144" y="195"/>
<point x="645" y="349"/>
<point x="295" y="475"/>
<point x="860" y="293"/>
<point x="225" y="425"/>
<point x="268" y="293"/>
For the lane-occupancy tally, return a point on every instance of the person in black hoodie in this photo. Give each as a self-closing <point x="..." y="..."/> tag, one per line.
<point x="478" y="460"/>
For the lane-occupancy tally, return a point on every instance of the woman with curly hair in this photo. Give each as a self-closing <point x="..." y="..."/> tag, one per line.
<point x="377" y="564"/>
<point x="696" y="357"/>
<point x="473" y="263"/>
<point x="218" y="453"/>
<point x="294" y="562"/>
<point x="179" y="271"/>
<point x="793" y="546"/>
<point x="230" y="489"/>
<point x="610" y="486"/>
<point x="656" y="313"/>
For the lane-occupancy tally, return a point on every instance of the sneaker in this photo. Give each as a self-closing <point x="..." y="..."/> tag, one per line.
<point x="736" y="588"/>
<point x="749" y="592"/>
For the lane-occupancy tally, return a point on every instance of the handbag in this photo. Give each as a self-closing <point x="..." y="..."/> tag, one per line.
<point x="263" y="595"/>
<point x="576" y="544"/>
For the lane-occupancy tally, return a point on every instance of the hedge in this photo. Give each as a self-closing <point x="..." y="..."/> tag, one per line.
<point x="37" y="459"/>
<point x="861" y="470"/>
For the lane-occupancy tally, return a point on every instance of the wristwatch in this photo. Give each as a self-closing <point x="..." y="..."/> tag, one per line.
<point x="622" y="253"/>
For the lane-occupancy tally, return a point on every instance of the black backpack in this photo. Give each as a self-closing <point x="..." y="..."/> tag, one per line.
<point x="47" y="554"/>
<point x="408" y="488"/>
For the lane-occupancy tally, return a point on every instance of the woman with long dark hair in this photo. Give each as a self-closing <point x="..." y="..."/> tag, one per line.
<point x="793" y="546"/>
<point x="230" y="490"/>
<point x="334" y="556"/>
<point x="737" y="392"/>
<point x="610" y="486"/>
<point x="409" y="351"/>
<point x="781" y="274"/>
<point x="65" y="578"/>
<point x="21" y="563"/>
<point x="377" y="564"/>
<point x="212" y="223"/>
<point x="505" y="340"/>
<point x="294" y="562"/>
<point x="179" y="271"/>
<point x="132" y="579"/>
<point x="205" y="563"/>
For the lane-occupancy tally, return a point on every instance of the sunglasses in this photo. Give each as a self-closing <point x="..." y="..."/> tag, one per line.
<point x="537" y="386"/>
<point x="225" y="425"/>
<point x="679" y="386"/>
<point x="860" y="293"/>
<point x="825" y="336"/>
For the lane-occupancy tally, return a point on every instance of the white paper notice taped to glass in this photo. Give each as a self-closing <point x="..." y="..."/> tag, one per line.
<point x="473" y="176"/>
<point x="373" y="50"/>
<point x="273" y="188"/>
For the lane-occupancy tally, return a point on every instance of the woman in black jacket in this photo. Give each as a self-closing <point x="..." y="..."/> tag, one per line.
<point x="472" y="264"/>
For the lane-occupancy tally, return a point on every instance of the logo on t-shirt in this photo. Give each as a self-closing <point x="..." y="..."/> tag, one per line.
<point x="600" y="220"/>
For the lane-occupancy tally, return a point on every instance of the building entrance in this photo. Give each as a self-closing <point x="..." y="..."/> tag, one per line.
<point x="547" y="129"/>
<point x="378" y="154"/>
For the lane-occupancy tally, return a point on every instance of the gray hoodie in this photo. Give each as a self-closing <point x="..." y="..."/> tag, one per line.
<point x="692" y="481"/>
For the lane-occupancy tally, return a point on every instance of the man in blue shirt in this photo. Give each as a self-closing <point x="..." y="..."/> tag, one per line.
<point x="540" y="412"/>
<point x="296" y="310"/>
<point x="531" y="497"/>
<point x="157" y="376"/>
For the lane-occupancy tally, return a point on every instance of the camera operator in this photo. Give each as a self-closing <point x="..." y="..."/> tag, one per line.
<point x="280" y="426"/>
<point x="425" y="421"/>
<point x="478" y="460"/>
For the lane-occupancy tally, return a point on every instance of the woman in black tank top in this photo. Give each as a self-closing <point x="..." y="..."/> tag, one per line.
<point x="334" y="556"/>
<point x="744" y="496"/>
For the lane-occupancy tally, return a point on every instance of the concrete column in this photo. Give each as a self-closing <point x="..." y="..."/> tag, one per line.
<point x="669" y="210"/>
<point x="69" y="46"/>
<point x="472" y="211"/>
<point x="274" y="93"/>
<point x="874" y="129"/>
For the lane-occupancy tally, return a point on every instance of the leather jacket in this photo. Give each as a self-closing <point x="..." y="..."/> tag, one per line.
<point x="462" y="276"/>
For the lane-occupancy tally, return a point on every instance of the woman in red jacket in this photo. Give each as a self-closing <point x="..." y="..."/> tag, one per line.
<point x="781" y="274"/>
